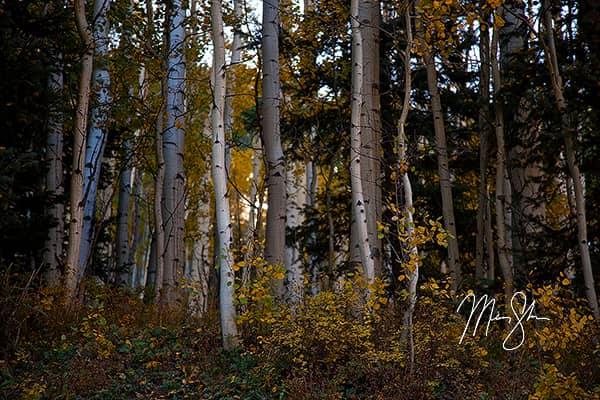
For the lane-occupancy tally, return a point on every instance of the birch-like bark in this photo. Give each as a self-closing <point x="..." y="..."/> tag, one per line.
<point x="53" y="248"/>
<point x="200" y="251"/>
<point x="98" y="129"/>
<point x="139" y="232"/>
<point x="572" y="163"/>
<point x="501" y="234"/>
<point x="225" y="258"/>
<point x="356" y="183"/>
<point x="442" y="156"/>
<point x="369" y="17"/>
<point x="296" y="203"/>
<point x="412" y="267"/>
<point x="72" y="266"/>
<point x="275" y="161"/>
<point x="173" y="152"/>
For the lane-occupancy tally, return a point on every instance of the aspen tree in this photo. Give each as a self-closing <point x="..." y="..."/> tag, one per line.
<point x="225" y="258"/>
<point x="275" y="161"/>
<point x="79" y="140"/>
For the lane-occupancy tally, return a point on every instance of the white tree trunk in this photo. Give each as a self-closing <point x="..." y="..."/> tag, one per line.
<point x="501" y="196"/>
<point x="570" y="138"/>
<point x="275" y="233"/>
<point x="173" y="151"/>
<point x="412" y="267"/>
<point x="442" y="155"/>
<point x="72" y="266"/>
<point x="98" y="128"/>
<point x="200" y="251"/>
<point x="356" y="183"/>
<point x="296" y="203"/>
<point x="53" y="247"/>
<point x="225" y="258"/>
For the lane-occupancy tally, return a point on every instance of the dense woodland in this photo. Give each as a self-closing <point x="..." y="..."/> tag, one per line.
<point x="299" y="200"/>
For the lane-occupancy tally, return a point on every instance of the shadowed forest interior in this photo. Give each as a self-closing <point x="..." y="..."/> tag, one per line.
<point x="308" y="199"/>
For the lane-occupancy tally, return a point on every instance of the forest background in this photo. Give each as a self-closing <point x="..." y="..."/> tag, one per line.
<point x="203" y="199"/>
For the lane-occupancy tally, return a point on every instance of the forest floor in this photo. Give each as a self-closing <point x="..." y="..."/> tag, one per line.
<point x="117" y="347"/>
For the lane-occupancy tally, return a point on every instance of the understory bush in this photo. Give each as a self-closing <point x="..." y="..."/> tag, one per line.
<point x="339" y="344"/>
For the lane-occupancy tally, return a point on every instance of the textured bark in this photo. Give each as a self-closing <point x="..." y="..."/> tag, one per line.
<point x="199" y="263"/>
<point x="72" y="266"/>
<point x="369" y="17"/>
<point x="139" y="228"/>
<point x="53" y="248"/>
<point x="570" y="139"/>
<point x="96" y="140"/>
<point x="501" y="197"/>
<point x="173" y="151"/>
<point x="356" y="180"/>
<point x="225" y="258"/>
<point x="442" y="156"/>
<point x="296" y="203"/>
<point x="275" y="161"/>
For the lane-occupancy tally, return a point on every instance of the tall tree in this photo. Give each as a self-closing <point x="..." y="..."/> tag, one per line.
<point x="173" y="150"/>
<point x="356" y="180"/>
<point x="72" y="266"/>
<point x="225" y="258"/>
<point x="441" y="149"/>
<point x="482" y="266"/>
<point x="501" y="195"/>
<point x="123" y="208"/>
<point x="412" y="266"/>
<point x="275" y="161"/>
<point x="98" y="129"/>
<point x="53" y="247"/>
<point x="570" y="135"/>
<point x="369" y="17"/>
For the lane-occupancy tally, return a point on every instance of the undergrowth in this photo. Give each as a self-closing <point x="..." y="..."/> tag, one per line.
<point x="337" y="345"/>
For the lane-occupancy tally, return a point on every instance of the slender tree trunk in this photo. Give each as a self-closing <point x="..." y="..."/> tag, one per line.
<point x="412" y="267"/>
<point x="157" y="264"/>
<point x="173" y="151"/>
<point x="442" y="155"/>
<point x="356" y="181"/>
<point x="53" y="247"/>
<point x="98" y="129"/>
<point x="72" y="266"/>
<point x="481" y="268"/>
<point x="275" y="233"/>
<point x="491" y="263"/>
<point x="501" y="197"/>
<point x="225" y="258"/>
<point x="254" y="189"/>
<point x="236" y="53"/>
<point x="570" y="139"/>
<point x="200" y="252"/>
<point x="138" y="230"/>
<point x="122" y="239"/>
